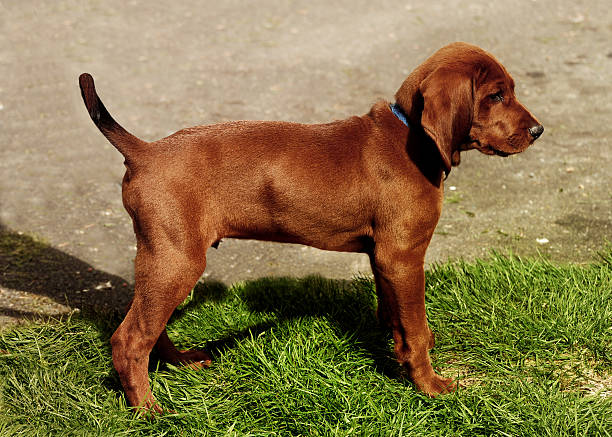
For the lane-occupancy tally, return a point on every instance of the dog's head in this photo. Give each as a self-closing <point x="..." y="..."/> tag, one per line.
<point x="464" y="99"/>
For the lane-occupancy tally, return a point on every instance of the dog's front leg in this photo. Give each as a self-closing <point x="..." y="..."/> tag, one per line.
<point x="400" y="284"/>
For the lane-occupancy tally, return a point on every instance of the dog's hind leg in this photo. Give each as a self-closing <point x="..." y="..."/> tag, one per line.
<point x="165" y="273"/>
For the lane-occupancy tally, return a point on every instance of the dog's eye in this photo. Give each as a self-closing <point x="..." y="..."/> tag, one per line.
<point x="497" y="97"/>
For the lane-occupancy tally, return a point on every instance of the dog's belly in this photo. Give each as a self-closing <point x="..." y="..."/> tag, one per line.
<point x="340" y="242"/>
<point x="324" y="223"/>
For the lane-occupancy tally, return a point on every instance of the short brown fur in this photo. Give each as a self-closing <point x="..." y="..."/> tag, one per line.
<point x="366" y="184"/>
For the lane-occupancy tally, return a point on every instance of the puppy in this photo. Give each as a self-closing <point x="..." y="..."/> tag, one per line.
<point x="371" y="184"/>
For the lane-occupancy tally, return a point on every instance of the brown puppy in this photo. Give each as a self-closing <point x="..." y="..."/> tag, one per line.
<point x="371" y="184"/>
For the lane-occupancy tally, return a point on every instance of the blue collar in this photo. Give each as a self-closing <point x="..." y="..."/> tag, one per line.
<point x="399" y="113"/>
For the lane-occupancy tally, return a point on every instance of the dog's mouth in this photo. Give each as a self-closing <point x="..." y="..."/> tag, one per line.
<point x="500" y="152"/>
<point x="488" y="149"/>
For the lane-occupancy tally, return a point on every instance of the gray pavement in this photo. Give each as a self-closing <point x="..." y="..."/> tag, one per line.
<point x="163" y="66"/>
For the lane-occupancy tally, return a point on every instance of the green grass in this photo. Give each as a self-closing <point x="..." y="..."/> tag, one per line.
<point x="530" y="342"/>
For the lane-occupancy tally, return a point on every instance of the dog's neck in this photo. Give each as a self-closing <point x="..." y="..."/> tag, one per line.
<point x="399" y="113"/>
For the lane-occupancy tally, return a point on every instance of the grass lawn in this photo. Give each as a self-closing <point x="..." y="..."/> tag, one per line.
<point x="530" y="342"/>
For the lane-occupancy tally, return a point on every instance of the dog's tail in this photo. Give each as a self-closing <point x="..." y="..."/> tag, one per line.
<point x="123" y="141"/>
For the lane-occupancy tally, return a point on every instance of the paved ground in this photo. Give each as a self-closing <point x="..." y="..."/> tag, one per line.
<point x="159" y="68"/>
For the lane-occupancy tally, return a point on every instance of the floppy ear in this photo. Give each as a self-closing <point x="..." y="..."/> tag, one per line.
<point x="448" y="107"/>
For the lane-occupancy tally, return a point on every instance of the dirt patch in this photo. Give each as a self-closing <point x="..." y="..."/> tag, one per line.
<point x="573" y="374"/>
<point x="576" y="375"/>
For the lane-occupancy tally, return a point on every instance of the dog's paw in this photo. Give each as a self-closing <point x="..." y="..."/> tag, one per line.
<point x="195" y="359"/>
<point x="434" y="385"/>
<point x="149" y="409"/>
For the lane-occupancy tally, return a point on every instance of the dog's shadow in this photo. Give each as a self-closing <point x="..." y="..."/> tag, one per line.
<point x="40" y="281"/>
<point x="32" y="266"/>
<point x="349" y="307"/>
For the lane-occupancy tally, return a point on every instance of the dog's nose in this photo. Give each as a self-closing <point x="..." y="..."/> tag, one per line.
<point x="536" y="131"/>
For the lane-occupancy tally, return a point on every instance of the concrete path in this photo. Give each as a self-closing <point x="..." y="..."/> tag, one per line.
<point x="159" y="68"/>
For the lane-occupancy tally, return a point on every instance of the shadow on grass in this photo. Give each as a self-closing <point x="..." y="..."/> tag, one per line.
<point x="31" y="266"/>
<point x="349" y="306"/>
